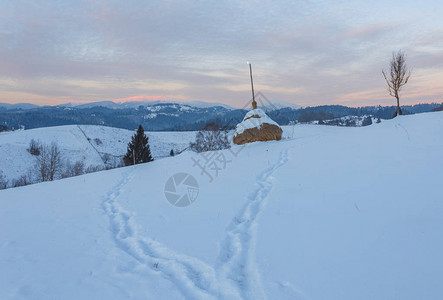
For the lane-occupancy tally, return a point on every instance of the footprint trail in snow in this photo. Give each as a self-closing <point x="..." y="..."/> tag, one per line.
<point x="235" y="275"/>
<point x="236" y="260"/>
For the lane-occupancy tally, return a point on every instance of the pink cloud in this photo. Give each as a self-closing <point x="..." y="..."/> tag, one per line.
<point x="139" y="98"/>
<point x="367" y="31"/>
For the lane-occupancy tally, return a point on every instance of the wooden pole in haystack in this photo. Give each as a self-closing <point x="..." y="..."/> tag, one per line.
<point x="254" y="104"/>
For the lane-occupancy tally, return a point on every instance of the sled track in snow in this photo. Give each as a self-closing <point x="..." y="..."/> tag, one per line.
<point x="235" y="275"/>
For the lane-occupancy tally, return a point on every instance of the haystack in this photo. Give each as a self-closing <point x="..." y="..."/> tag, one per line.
<point x="256" y="126"/>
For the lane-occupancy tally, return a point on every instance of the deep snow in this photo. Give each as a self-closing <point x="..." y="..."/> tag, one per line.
<point x="332" y="213"/>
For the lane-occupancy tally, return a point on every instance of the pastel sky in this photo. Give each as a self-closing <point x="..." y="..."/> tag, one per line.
<point x="303" y="52"/>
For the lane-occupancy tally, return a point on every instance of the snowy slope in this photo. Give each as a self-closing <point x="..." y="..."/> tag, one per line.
<point x="16" y="160"/>
<point x="333" y="213"/>
<point x="115" y="140"/>
<point x="79" y="143"/>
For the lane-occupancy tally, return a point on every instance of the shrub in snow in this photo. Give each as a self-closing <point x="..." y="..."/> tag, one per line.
<point x="74" y="169"/>
<point x="210" y="138"/>
<point x="106" y="158"/>
<point x="22" y="181"/>
<point x="34" y="147"/>
<point x="98" y="141"/>
<point x="3" y="181"/>
<point x="93" y="169"/>
<point x="350" y="123"/>
<point x="78" y="168"/>
<point x="367" y="121"/>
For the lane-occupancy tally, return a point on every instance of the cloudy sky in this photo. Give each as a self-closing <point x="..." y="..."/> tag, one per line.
<point x="304" y="52"/>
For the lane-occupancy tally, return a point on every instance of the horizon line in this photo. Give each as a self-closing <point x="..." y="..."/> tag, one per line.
<point x="176" y="100"/>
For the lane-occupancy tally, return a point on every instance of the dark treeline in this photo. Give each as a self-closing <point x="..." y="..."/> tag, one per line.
<point x="172" y="117"/>
<point x="440" y="108"/>
<point x="327" y="112"/>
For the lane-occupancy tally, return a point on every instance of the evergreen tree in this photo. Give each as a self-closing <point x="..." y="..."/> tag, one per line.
<point x="171" y="153"/>
<point x="139" y="148"/>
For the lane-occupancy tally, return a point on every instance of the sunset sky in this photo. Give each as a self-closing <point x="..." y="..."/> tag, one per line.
<point x="303" y="52"/>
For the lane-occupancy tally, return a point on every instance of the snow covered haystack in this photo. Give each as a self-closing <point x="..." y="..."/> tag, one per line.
<point x="257" y="126"/>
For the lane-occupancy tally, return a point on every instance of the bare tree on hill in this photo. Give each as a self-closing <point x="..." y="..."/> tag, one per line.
<point x="398" y="76"/>
<point x="49" y="162"/>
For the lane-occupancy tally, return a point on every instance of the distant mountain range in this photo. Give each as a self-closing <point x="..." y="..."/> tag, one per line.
<point x="177" y="116"/>
<point x="18" y="106"/>
<point x="136" y="104"/>
<point x="266" y="105"/>
<point x="154" y="116"/>
<point x="120" y="105"/>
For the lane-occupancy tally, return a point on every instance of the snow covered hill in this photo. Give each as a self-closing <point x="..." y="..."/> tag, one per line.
<point x="333" y="213"/>
<point x="92" y="144"/>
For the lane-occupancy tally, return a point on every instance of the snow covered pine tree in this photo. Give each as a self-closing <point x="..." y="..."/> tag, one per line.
<point x="138" y="149"/>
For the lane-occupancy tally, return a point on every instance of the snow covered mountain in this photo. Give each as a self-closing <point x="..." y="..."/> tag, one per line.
<point x="277" y="104"/>
<point x="326" y="213"/>
<point x="18" y="106"/>
<point x="175" y="116"/>
<point x="119" y="105"/>
<point x="154" y="116"/>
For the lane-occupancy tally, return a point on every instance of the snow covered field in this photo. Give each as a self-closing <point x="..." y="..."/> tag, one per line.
<point x="331" y="213"/>
<point x="89" y="143"/>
